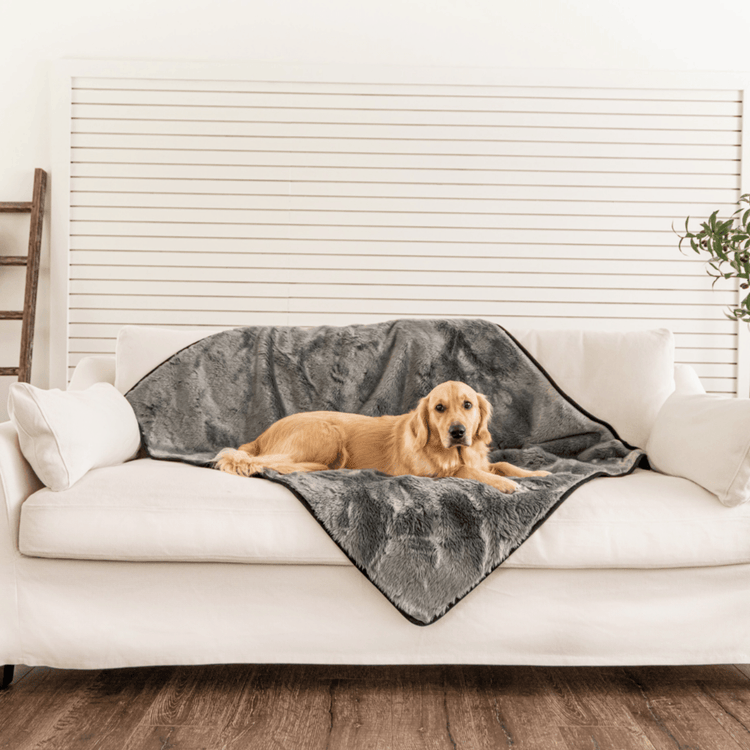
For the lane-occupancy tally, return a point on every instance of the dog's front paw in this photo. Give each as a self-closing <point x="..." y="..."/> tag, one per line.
<point x="506" y="485"/>
<point x="539" y="473"/>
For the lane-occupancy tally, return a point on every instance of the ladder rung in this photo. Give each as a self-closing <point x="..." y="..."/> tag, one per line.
<point x="8" y="371"/>
<point x="15" y="207"/>
<point x="11" y="314"/>
<point x="13" y="260"/>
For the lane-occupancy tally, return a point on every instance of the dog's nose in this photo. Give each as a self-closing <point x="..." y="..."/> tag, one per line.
<point x="457" y="431"/>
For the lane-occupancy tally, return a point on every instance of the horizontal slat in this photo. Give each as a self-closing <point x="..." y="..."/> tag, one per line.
<point x="659" y="198"/>
<point x="384" y="249"/>
<point x="184" y="217"/>
<point x="702" y="340"/>
<point x="578" y="120"/>
<point x="94" y="346"/>
<point x="303" y="283"/>
<point x="11" y="314"/>
<point x="694" y="356"/>
<point x="497" y="307"/>
<point x="13" y="260"/>
<point x="441" y="153"/>
<point x="510" y="102"/>
<point x="107" y="303"/>
<point x="534" y="142"/>
<point x="217" y="278"/>
<point x="8" y="371"/>
<point x="404" y="88"/>
<point x="276" y="170"/>
<point x="445" y="207"/>
<point x="511" y="246"/>
<point x="238" y="297"/>
<point x="616" y="171"/>
<point x="724" y="386"/>
<point x="396" y="264"/>
<point x="333" y="233"/>
<point x="527" y="276"/>
<point x="430" y="129"/>
<point x="726" y="370"/>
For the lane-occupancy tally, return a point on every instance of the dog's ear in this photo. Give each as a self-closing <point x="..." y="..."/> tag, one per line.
<point x="420" y="423"/>
<point x="482" y="433"/>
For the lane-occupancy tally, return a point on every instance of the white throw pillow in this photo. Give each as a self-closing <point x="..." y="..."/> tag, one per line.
<point x="706" y="439"/>
<point x="64" y="434"/>
<point x="622" y="378"/>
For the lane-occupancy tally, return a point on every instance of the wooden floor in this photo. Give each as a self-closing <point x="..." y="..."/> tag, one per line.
<point x="404" y="708"/>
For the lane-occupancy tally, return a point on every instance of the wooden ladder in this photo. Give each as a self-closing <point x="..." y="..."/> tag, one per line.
<point x="31" y="260"/>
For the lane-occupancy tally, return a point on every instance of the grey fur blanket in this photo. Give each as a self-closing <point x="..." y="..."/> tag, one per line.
<point x="424" y="543"/>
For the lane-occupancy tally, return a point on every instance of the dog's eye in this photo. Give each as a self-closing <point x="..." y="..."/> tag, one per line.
<point x="467" y="404"/>
<point x="439" y="407"/>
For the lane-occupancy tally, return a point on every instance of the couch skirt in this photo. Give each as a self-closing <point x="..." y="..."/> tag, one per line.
<point x="86" y="614"/>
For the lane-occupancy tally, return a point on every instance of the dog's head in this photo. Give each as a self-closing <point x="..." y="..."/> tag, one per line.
<point x="454" y="414"/>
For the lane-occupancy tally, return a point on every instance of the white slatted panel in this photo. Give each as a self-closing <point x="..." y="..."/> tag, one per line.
<point x="225" y="203"/>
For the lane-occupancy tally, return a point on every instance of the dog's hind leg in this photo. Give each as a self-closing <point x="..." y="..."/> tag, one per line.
<point x="239" y="462"/>
<point x="303" y="449"/>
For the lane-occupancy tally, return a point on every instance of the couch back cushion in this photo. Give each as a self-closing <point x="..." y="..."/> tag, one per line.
<point x="622" y="378"/>
<point x="140" y="349"/>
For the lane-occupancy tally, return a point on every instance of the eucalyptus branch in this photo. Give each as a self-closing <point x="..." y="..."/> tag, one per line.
<point x="727" y="244"/>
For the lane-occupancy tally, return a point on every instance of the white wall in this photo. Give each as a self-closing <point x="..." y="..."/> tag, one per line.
<point x="588" y="34"/>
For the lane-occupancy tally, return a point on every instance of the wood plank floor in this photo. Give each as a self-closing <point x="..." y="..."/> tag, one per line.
<point x="378" y="708"/>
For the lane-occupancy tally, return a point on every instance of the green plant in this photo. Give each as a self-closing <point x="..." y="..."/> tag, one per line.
<point x="727" y="242"/>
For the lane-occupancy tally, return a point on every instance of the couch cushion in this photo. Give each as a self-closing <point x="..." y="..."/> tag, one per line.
<point x="162" y="511"/>
<point x="159" y="510"/>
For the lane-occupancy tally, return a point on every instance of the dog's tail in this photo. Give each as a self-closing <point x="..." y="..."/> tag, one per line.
<point x="243" y="464"/>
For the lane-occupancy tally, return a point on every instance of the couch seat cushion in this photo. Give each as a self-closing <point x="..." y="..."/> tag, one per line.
<point x="160" y="511"/>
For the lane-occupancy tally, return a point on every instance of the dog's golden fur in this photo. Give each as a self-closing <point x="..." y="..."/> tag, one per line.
<point x="445" y="436"/>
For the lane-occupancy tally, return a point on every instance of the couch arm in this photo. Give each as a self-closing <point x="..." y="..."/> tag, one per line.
<point x="686" y="380"/>
<point x="17" y="482"/>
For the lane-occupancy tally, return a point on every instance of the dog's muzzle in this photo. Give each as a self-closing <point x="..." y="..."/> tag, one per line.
<point x="458" y="435"/>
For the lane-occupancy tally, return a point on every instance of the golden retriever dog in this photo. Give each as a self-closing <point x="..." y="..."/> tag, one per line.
<point x="445" y="436"/>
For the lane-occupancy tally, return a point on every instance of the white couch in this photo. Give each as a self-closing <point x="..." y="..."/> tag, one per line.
<point x="152" y="563"/>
